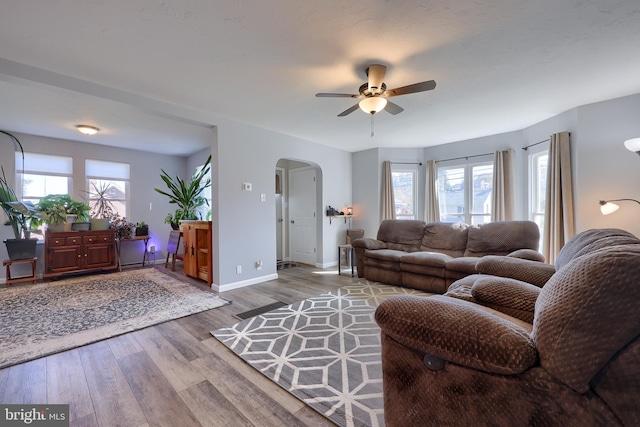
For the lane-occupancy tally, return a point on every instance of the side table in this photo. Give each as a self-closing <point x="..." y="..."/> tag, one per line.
<point x="348" y="249"/>
<point x="8" y="263"/>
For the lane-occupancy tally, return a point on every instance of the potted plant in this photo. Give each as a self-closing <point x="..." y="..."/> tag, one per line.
<point x="102" y="208"/>
<point x="142" y="229"/>
<point x="187" y="195"/>
<point x="59" y="211"/>
<point x="123" y="228"/>
<point x="22" y="217"/>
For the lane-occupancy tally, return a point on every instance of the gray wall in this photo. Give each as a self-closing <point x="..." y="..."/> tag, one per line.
<point x="145" y="175"/>
<point x="602" y="167"/>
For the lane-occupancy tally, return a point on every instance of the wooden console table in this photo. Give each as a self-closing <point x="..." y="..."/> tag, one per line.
<point x="145" y="256"/>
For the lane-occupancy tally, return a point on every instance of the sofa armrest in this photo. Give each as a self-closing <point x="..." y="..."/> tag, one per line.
<point x="457" y="331"/>
<point x="509" y="296"/>
<point x="368" y="243"/>
<point x="529" y="254"/>
<point x="534" y="272"/>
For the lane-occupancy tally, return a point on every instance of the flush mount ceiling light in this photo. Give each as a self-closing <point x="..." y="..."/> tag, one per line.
<point x="606" y="207"/>
<point x="87" y="130"/>
<point x="633" y="145"/>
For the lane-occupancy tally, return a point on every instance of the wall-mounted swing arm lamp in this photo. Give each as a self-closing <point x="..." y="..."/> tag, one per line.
<point x="606" y="207"/>
<point x="633" y="145"/>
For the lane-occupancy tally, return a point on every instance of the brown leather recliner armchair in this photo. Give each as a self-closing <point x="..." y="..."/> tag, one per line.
<point x="451" y="362"/>
<point x="512" y="285"/>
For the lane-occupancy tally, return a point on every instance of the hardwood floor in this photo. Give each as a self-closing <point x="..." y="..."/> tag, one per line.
<point x="175" y="373"/>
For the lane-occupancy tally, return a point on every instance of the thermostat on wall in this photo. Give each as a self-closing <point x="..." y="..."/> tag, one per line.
<point x="246" y="186"/>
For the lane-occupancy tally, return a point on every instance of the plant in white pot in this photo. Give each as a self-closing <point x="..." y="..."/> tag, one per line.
<point x="102" y="208"/>
<point x="59" y="211"/>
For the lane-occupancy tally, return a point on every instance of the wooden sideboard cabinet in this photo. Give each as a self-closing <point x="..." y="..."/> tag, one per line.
<point x="78" y="251"/>
<point x="196" y="236"/>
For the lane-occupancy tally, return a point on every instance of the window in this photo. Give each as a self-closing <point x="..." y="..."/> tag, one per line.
<point x="404" y="192"/>
<point x="112" y="176"/>
<point x="42" y="175"/>
<point x="538" y="188"/>
<point x="465" y="193"/>
<point x="204" y="211"/>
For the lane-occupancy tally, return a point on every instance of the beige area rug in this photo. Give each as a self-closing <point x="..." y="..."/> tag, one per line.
<point x="324" y="350"/>
<point x="45" y="318"/>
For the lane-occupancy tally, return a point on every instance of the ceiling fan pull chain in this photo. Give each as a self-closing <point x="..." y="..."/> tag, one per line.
<point x="371" y="125"/>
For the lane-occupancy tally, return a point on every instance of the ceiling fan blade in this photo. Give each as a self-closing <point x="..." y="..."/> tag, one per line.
<point x="337" y="95"/>
<point x="348" y="111"/>
<point x="393" y="108"/>
<point x="416" y="87"/>
<point x="375" y="74"/>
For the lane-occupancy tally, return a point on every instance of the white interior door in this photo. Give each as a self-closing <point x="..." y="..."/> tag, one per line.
<point x="302" y="215"/>
<point x="280" y="217"/>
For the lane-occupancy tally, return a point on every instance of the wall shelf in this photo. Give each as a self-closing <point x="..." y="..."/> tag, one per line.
<point x="346" y="217"/>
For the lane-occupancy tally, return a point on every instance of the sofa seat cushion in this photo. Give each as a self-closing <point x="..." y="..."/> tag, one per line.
<point x="465" y="264"/>
<point x="427" y="259"/>
<point x="389" y="255"/>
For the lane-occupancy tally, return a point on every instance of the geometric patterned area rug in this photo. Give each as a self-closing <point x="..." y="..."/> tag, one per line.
<point x="46" y="318"/>
<point x="324" y="350"/>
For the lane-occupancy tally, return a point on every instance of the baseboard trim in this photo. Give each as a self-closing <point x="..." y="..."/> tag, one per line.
<point x="243" y="283"/>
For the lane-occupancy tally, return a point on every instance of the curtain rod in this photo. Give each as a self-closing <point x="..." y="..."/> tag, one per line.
<point x="407" y="163"/>
<point x="526" y="147"/>
<point x="464" y="157"/>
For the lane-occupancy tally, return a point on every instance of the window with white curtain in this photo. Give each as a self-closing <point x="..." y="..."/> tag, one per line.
<point x="465" y="192"/>
<point x="405" y="179"/>
<point x="100" y="174"/>
<point x="538" y="188"/>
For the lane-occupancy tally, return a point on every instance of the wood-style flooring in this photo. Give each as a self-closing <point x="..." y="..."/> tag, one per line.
<point x="174" y="373"/>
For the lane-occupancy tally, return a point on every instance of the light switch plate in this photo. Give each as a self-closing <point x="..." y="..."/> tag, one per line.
<point x="246" y="186"/>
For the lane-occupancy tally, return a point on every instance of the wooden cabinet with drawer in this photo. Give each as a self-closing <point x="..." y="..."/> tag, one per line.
<point x="78" y="251"/>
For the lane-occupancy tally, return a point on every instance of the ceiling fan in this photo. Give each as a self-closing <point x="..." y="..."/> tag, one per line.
<point x="374" y="94"/>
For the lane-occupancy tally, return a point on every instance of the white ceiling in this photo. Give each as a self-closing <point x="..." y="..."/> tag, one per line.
<point x="155" y="74"/>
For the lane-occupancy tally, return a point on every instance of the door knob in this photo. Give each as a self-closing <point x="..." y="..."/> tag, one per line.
<point x="292" y="222"/>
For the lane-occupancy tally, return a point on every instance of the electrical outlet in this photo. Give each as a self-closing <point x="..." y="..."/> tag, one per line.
<point x="259" y="265"/>
<point x="238" y="269"/>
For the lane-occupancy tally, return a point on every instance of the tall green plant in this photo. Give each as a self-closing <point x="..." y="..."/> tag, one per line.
<point x="187" y="195"/>
<point x="21" y="216"/>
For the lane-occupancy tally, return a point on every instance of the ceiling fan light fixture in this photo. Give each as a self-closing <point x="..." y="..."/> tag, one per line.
<point x="372" y="104"/>
<point x="87" y="130"/>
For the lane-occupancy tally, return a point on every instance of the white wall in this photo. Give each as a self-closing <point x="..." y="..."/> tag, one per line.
<point x="145" y="175"/>
<point x="246" y="226"/>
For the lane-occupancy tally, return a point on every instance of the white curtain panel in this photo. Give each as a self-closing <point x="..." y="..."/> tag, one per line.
<point x="432" y="205"/>
<point x="558" y="213"/>
<point x="387" y="210"/>
<point x="502" y="200"/>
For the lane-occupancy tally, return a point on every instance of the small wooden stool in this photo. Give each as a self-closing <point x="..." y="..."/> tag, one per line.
<point x="8" y="263"/>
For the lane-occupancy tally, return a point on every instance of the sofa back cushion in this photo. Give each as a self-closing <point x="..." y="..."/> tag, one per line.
<point x="587" y="312"/>
<point x="502" y="238"/>
<point x="445" y="238"/>
<point x="402" y="235"/>
<point x="591" y="240"/>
